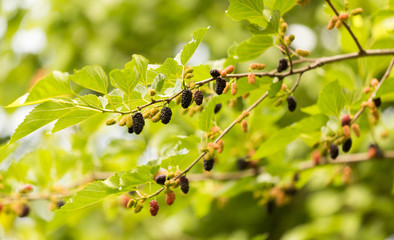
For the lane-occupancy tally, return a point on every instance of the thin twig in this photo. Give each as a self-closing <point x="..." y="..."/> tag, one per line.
<point x="360" y="48"/>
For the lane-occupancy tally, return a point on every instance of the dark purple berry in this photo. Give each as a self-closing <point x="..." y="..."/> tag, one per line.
<point x="242" y="164"/>
<point x="138" y="122"/>
<point x="377" y="102"/>
<point x="290" y="191"/>
<point x="130" y="130"/>
<point x="347" y="145"/>
<point x="220" y="85"/>
<point x="214" y="73"/>
<point x="24" y="211"/>
<point x="186" y="98"/>
<point x="291" y="103"/>
<point x="208" y="164"/>
<point x="184" y="183"/>
<point x="165" y="115"/>
<point x="270" y="206"/>
<point x="334" y="151"/>
<point x="217" y="108"/>
<point x="282" y="65"/>
<point x="198" y="97"/>
<point x="161" y="179"/>
<point x="60" y="203"/>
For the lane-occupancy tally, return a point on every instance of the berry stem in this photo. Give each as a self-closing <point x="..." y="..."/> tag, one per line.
<point x="360" y="48"/>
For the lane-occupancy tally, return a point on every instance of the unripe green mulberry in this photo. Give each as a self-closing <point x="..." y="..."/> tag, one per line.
<point x="198" y="97"/>
<point x="165" y="115"/>
<point x="184" y="183"/>
<point x="138" y="122"/>
<point x="186" y="99"/>
<point x="110" y="122"/>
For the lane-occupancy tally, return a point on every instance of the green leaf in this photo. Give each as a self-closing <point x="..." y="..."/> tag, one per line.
<point x="137" y="176"/>
<point x="40" y="116"/>
<point x="126" y="80"/>
<point x="284" y="6"/>
<point x="251" y="10"/>
<point x="386" y="87"/>
<point x="141" y="64"/>
<point x="158" y="82"/>
<point x="91" y="194"/>
<point x="91" y="100"/>
<point x="331" y="100"/>
<point x="189" y="49"/>
<point x="206" y="115"/>
<point x="253" y="47"/>
<point x="311" y="123"/>
<point x="175" y="160"/>
<point x="52" y="85"/>
<point x="277" y="142"/>
<point x="91" y="77"/>
<point x="74" y="117"/>
<point x="272" y="26"/>
<point x="170" y="69"/>
<point x="274" y="89"/>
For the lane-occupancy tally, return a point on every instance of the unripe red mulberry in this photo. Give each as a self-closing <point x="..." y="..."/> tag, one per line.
<point x="215" y="73"/>
<point x="244" y="126"/>
<point x="198" y="97"/>
<point x="356" y="129"/>
<point x="334" y="151"/>
<point x="138" y="122"/>
<point x="332" y="22"/>
<point x="346" y="120"/>
<point x="165" y="115"/>
<point x="217" y="108"/>
<point x="347" y="145"/>
<point x="186" y="99"/>
<point x="161" y="179"/>
<point x="282" y="65"/>
<point x="291" y="103"/>
<point x="184" y="183"/>
<point x="251" y="78"/>
<point x="220" y="85"/>
<point x="154" y="207"/>
<point x="208" y="164"/>
<point x="170" y="197"/>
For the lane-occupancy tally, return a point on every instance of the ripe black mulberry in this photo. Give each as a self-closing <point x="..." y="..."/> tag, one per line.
<point x="198" y="97"/>
<point x="130" y="130"/>
<point x="282" y="65"/>
<point x="161" y="179"/>
<point x="220" y="85"/>
<point x="270" y="206"/>
<point x="186" y="99"/>
<point x="347" y="145"/>
<point x="215" y="73"/>
<point x="208" y="164"/>
<point x="377" y="102"/>
<point x="184" y="183"/>
<point x="242" y="164"/>
<point x="334" y="151"/>
<point x="291" y="103"/>
<point x="154" y="207"/>
<point x="165" y="115"/>
<point x="217" y="108"/>
<point x="25" y="210"/>
<point x="138" y="122"/>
